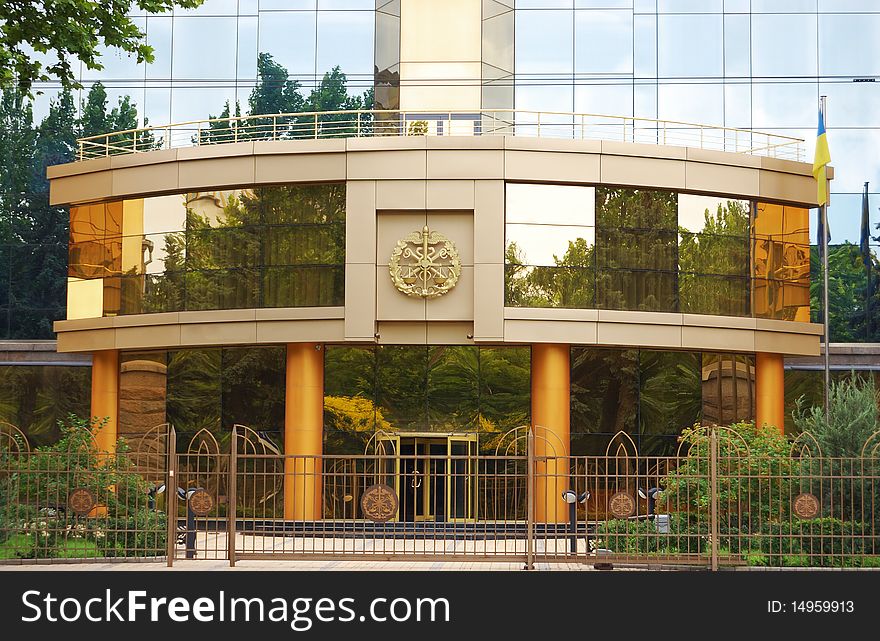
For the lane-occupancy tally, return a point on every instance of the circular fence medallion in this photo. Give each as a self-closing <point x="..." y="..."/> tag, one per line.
<point x="200" y="502"/>
<point x="379" y="503"/>
<point x="621" y="505"/>
<point x="806" y="506"/>
<point x="81" y="501"/>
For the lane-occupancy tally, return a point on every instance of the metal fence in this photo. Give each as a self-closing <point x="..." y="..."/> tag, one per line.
<point x="714" y="504"/>
<point x="498" y="122"/>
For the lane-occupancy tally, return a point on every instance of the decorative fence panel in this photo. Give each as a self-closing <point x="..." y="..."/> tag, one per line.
<point x="717" y="502"/>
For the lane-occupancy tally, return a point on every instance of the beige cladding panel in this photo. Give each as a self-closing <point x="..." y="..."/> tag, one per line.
<point x="299" y="167"/>
<point x="465" y="164"/>
<point x="149" y="178"/>
<point x="644" y="172"/>
<point x="360" y="222"/>
<point x="396" y="333"/>
<point x="489" y="221"/>
<point x="716" y="338"/>
<point x="147" y="337"/>
<point x="449" y="194"/>
<point x="87" y="341"/>
<point x="450" y="333"/>
<point x="300" y="331"/>
<point x="360" y="301"/>
<point x="525" y="331"/>
<point x="400" y="194"/>
<point x="81" y="188"/>
<point x="489" y="301"/>
<point x="639" y="335"/>
<point x="779" y="343"/>
<point x="788" y="187"/>
<point x="386" y="165"/>
<point x="551" y="166"/>
<point x="217" y="172"/>
<point x="720" y="179"/>
<point x="219" y="334"/>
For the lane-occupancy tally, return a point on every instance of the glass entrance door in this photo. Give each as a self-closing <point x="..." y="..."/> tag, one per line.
<point x="435" y="477"/>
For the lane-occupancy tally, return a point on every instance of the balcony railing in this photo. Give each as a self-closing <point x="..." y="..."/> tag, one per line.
<point x="500" y="122"/>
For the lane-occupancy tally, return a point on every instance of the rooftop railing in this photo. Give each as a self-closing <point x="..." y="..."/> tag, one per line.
<point x="499" y="122"/>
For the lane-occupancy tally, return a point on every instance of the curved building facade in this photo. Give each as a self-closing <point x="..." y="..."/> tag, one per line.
<point x="436" y="290"/>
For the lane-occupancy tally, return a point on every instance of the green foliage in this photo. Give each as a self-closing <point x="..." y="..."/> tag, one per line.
<point x="853" y="417"/>
<point x="847" y="291"/>
<point x="757" y="480"/>
<point x="843" y="481"/>
<point x="63" y="32"/>
<point x="35" y="521"/>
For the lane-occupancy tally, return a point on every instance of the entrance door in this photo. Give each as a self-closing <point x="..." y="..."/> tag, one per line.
<point x="436" y="480"/>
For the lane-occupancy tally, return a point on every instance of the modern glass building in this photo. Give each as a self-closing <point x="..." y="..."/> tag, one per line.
<point x="524" y="228"/>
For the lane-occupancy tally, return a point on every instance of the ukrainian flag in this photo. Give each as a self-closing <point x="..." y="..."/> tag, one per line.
<point x="821" y="160"/>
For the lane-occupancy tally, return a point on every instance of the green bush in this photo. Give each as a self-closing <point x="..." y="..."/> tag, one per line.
<point x="35" y="521"/>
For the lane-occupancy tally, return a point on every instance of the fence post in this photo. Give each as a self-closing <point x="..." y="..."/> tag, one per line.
<point x="530" y="501"/>
<point x="171" y="497"/>
<point x="713" y="497"/>
<point x="231" y="498"/>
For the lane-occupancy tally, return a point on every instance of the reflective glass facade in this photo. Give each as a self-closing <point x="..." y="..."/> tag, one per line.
<point x="263" y="247"/>
<point x="34" y="398"/>
<point x="649" y="250"/>
<point x="746" y="64"/>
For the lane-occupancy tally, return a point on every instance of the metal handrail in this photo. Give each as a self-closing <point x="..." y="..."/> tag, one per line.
<point x="382" y="122"/>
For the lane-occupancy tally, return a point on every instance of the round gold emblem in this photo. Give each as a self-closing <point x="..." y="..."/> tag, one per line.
<point x="806" y="506"/>
<point x="200" y="502"/>
<point x="621" y="505"/>
<point x="81" y="501"/>
<point x="379" y="503"/>
<point x="424" y="264"/>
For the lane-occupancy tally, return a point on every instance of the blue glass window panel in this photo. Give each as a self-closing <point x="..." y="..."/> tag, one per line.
<point x="544" y="43"/>
<point x="783" y="45"/>
<point x="202" y="48"/>
<point x="603" y="42"/>
<point x="690" y="46"/>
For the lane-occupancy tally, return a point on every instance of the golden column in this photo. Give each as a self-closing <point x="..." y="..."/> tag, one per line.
<point x="551" y="390"/>
<point x="303" y="431"/>
<point x="769" y="390"/>
<point x="105" y="397"/>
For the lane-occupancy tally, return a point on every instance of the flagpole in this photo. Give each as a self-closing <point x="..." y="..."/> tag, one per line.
<point x="824" y="240"/>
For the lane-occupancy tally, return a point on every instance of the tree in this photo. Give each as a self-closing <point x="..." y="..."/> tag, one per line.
<point x="69" y="31"/>
<point x="847" y="285"/>
<point x="33" y="234"/>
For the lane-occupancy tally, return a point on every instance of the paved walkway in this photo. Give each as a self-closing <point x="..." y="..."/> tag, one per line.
<point x="320" y="566"/>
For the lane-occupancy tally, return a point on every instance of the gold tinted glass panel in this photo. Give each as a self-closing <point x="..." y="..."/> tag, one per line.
<point x="781" y="262"/>
<point x="227" y="249"/>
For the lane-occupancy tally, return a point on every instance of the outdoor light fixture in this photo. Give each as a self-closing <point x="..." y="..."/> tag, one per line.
<point x="572" y="498"/>
<point x="651" y="496"/>
<point x="152" y="493"/>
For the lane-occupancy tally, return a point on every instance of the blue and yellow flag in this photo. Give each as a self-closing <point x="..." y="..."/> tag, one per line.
<point x="821" y="160"/>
